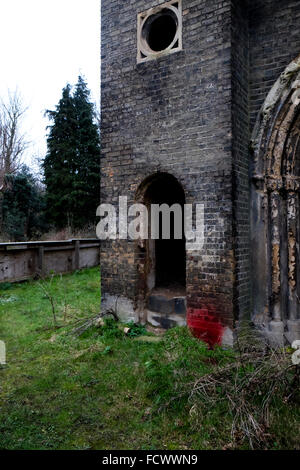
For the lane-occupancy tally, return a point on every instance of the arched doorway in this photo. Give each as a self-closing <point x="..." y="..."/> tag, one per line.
<point x="275" y="210"/>
<point x="169" y="254"/>
<point x="162" y="260"/>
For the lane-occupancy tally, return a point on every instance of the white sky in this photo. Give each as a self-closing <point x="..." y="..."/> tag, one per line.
<point x="43" y="45"/>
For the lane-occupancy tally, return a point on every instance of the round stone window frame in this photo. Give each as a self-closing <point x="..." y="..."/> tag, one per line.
<point x="145" y="53"/>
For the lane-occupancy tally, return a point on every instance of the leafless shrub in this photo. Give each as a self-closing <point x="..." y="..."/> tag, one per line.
<point x="12" y="142"/>
<point x="92" y="321"/>
<point x="45" y="286"/>
<point x="85" y="325"/>
<point x="67" y="233"/>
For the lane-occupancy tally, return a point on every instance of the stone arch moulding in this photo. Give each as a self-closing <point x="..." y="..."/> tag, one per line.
<point x="275" y="210"/>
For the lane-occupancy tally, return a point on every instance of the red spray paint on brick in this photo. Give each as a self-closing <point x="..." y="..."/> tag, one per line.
<point x="205" y="326"/>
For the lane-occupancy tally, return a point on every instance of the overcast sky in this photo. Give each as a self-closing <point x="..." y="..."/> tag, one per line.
<point x="45" y="44"/>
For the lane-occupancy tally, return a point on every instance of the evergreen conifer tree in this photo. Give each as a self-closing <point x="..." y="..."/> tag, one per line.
<point x="71" y="166"/>
<point x="87" y="180"/>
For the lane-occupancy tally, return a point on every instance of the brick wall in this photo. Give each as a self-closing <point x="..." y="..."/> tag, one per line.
<point x="274" y="27"/>
<point x="171" y="115"/>
<point x="240" y="149"/>
<point x="190" y="114"/>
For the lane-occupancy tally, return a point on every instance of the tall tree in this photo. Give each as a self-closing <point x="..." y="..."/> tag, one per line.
<point x="12" y="141"/>
<point x="60" y="162"/>
<point x="71" y="166"/>
<point x="87" y="181"/>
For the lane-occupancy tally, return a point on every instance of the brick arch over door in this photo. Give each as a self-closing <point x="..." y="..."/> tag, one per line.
<point x="275" y="210"/>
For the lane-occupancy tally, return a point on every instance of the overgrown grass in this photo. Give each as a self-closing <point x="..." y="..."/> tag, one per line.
<point x="103" y="389"/>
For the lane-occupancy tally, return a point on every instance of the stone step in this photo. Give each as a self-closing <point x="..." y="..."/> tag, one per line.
<point x="165" y="305"/>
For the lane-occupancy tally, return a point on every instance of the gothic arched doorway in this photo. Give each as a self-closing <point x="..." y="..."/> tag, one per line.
<point x="275" y="209"/>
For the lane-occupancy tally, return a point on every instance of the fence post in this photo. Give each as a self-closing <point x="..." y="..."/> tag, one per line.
<point x="41" y="260"/>
<point x="77" y="254"/>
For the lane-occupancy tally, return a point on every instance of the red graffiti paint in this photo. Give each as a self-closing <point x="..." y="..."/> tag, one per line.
<point x="205" y="326"/>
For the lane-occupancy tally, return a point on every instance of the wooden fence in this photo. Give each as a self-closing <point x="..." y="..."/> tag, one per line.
<point x="21" y="261"/>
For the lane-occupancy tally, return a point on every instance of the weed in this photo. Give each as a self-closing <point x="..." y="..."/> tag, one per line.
<point x="111" y="329"/>
<point x="136" y="329"/>
<point x="6" y="285"/>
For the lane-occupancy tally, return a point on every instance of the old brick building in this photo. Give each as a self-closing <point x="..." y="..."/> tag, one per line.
<point x="200" y="105"/>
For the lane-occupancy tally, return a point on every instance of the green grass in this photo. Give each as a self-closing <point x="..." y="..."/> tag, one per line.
<point x="102" y="390"/>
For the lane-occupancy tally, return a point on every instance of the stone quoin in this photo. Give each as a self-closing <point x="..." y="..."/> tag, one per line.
<point x="200" y="105"/>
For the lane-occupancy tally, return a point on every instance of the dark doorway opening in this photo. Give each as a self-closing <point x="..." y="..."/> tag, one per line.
<point x="168" y="256"/>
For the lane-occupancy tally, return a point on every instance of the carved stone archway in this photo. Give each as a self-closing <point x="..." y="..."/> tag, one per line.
<point x="275" y="209"/>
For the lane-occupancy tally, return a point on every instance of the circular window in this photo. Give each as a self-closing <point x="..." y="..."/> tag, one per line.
<point x="159" y="31"/>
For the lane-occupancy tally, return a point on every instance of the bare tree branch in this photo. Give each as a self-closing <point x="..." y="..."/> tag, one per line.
<point x="13" y="142"/>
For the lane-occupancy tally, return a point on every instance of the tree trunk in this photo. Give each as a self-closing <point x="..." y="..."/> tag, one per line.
<point x="1" y="212"/>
